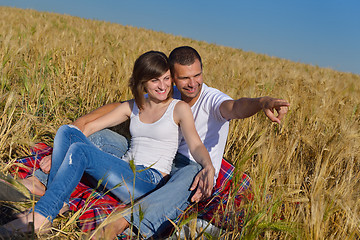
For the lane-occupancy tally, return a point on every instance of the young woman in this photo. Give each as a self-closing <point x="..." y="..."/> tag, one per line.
<point x="155" y="124"/>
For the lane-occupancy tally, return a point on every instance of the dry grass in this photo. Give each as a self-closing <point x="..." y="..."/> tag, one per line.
<point x="55" y="68"/>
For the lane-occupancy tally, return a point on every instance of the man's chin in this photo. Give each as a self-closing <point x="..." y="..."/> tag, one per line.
<point x="190" y="94"/>
<point x="187" y="95"/>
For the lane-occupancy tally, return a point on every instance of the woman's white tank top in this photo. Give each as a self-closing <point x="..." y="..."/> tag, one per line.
<point x="154" y="144"/>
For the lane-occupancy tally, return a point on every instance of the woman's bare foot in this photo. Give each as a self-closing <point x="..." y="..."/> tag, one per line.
<point x="29" y="222"/>
<point x="63" y="210"/>
<point x="33" y="185"/>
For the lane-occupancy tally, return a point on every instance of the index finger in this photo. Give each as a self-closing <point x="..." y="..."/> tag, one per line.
<point x="197" y="196"/>
<point x="281" y="103"/>
<point x="271" y="115"/>
<point x="195" y="183"/>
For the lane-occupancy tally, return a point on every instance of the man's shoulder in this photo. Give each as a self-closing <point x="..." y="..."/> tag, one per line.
<point x="210" y="89"/>
<point x="213" y="92"/>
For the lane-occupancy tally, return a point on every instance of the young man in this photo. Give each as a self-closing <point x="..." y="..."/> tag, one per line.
<point x="212" y="111"/>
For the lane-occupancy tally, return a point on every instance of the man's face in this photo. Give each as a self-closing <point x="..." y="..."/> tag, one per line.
<point x="189" y="80"/>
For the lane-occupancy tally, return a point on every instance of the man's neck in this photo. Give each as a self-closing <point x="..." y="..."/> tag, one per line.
<point x="190" y="101"/>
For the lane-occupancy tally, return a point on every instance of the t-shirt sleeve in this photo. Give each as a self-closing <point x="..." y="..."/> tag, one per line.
<point x="217" y="98"/>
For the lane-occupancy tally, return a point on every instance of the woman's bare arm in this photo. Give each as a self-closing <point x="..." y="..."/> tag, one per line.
<point x="114" y="117"/>
<point x="99" y="112"/>
<point x="204" y="180"/>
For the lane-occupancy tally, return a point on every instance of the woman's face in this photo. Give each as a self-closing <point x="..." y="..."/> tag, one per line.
<point x="158" y="88"/>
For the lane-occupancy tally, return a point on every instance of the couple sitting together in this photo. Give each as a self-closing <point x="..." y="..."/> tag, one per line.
<point x="178" y="137"/>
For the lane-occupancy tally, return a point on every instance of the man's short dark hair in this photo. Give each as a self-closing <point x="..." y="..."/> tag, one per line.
<point x="184" y="55"/>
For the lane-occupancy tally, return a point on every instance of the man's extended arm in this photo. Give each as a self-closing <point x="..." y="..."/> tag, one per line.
<point x="246" y="107"/>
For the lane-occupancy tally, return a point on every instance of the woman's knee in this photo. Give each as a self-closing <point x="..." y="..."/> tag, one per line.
<point x="77" y="152"/>
<point x="66" y="130"/>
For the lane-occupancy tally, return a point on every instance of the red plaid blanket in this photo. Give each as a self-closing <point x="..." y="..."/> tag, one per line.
<point x="96" y="206"/>
<point x="219" y="209"/>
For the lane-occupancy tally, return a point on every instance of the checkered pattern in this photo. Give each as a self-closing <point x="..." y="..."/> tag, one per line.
<point x="216" y="208"/>
<point x="25" y="167"/>
<point x="96" y="206"/>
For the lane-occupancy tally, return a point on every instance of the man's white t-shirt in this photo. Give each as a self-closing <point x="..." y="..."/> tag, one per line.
<point x="212" y="128"/>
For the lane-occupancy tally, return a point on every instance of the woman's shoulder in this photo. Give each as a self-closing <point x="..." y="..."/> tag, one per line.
<point x="180" y="104"/>
<point x="127" y="106"/>
<point x="130" y="103"/>
<point x="181" y="110"/>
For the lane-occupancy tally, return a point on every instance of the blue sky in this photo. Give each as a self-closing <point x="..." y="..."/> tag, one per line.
<point x="325" y="33"/>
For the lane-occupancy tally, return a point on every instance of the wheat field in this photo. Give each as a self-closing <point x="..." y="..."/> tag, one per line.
<point x="305" y="173"/>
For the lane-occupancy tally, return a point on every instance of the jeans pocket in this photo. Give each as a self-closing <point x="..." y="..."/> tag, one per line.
<point x="156" y="176"/>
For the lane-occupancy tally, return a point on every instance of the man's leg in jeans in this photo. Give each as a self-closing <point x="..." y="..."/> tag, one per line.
<point x="167" y="202"/>
<point x="110" y="142"/>
<point x="107" y="140"/>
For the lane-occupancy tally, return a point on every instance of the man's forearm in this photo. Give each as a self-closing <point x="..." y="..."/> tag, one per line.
<point x="241" y="108"/>
<point x="247" y="107"/>
<point x="101" y="111"/>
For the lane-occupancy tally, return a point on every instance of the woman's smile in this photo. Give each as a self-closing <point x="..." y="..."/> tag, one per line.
<point x="159" y="88"/>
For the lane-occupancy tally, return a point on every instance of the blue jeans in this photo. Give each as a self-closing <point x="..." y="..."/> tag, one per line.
<point x="167" y="202"/>
<point x="106" y="140"/>
<point x="73" y="155"/>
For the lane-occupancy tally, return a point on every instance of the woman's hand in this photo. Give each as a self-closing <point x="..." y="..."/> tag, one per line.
<point x="203" y="183"/>
<point x="204" y="180"/>
<point x="45" y="164"/>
